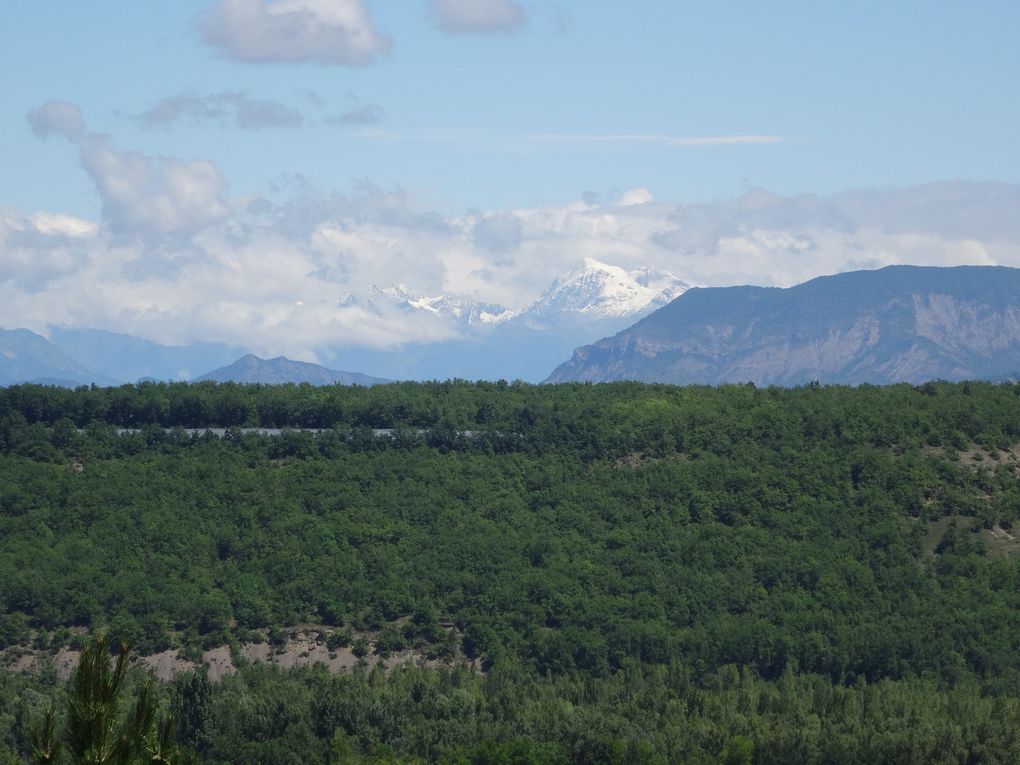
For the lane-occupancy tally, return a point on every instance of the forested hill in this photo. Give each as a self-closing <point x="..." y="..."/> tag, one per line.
<point x="645" y="573"/>
<point x="895" y="324"/>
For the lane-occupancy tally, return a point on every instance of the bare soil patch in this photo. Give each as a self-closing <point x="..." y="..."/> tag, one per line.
<point x="305" y="647"/>
<point x="980" y="457"/>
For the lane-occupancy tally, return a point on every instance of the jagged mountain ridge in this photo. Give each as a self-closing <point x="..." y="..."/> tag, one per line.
<point x="459" y="309"/>
<point x="896" y="324"/>
<point x="252" y="369"/>
<point x="593" y="290"/>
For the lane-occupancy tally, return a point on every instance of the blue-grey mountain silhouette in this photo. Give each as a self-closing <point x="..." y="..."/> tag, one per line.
<point x="896" y="324"/>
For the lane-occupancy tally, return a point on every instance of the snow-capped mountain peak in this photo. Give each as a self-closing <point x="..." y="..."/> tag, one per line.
<point x="439" y="305"/>
<point x="456" y="308"/>
<point x="593" y="291"/>
<point x="603" y="291"/>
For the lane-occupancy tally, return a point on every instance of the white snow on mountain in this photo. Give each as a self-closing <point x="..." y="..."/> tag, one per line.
<point x="594" y="290"/>
<point x="460" y="309"/>
<point x="602" y="291"/>
<point x="440" y="305"/>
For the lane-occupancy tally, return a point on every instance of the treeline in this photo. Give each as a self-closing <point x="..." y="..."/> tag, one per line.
<point x="606" y="418"/>
<point x="639" y="716"/>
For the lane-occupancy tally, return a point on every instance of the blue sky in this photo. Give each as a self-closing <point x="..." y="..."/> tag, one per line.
<point x="211" y="143"/>
<point x="862" y="94"/>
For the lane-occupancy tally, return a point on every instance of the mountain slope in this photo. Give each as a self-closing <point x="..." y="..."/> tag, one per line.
<point x="252" y="369"/>
<point x="901" y="323"/>
<point x="28" y="357"/>
<point x="127" y="358"/>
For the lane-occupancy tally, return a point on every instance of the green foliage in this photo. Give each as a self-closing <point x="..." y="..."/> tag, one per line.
<point x="192" y="709"/>
<point x="780" y="565"/>
<point x="339" y="639"/>
<point x="95" y="732"/>
<point x="739" y="751"/>
<point x="640" y="715"/>
<point x="360" y="647"/>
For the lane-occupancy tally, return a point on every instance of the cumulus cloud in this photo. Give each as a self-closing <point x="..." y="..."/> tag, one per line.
<point x="229" y="108"/>
<point x="59" y="118"/>
<point x="37" y="249"/>
<point x="150" y="196"/>
<point x="154" y="195"/>
<point x="461" y="17"/>
<point x="332" y="32"/>
<point x="294" y="272"/>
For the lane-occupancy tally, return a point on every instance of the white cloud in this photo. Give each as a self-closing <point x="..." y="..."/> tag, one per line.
<point x="59" y="224"/>
<point x="639" y="196"/>
<point x="278" y="276"/>
<point x="35" y="250"/>
<point x="142" y="195"/>
<point x="336" y="32"/>
<point x="60" y="118"/>
<point x="154" y="196"/>
<point x="498" y="232"/>
<point x="477" y="16"/>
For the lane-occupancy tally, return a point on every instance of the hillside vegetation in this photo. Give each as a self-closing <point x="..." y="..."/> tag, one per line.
<point x="643" y="573"/>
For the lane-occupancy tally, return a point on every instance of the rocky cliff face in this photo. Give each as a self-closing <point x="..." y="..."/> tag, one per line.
<point x="897" y="324"/>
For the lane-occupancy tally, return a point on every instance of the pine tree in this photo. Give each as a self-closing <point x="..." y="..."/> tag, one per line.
<point x="95" y="732"/>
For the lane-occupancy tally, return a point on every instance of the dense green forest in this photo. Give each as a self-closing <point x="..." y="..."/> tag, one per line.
<point x="642" y="573"/>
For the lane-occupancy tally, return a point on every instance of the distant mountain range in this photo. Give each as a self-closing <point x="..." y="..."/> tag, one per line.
<point x="28" y="357"/>
<point x="252" y="369"/>
<point x="901" y="323"/>
<point x="593" y="300"/>
<point x="897" y="324"/>
<point x="489" y="341"/>
<point x="115" y="356"/>
<point x="594" y="290"/>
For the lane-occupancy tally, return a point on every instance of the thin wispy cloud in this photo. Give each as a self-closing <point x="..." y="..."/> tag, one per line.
<point x="469" y="17"/>
<point x="359" y="114"/>
<point x="461" y="135"/>
<point x="666" y="140"/>
<point x="229" y="109"/>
